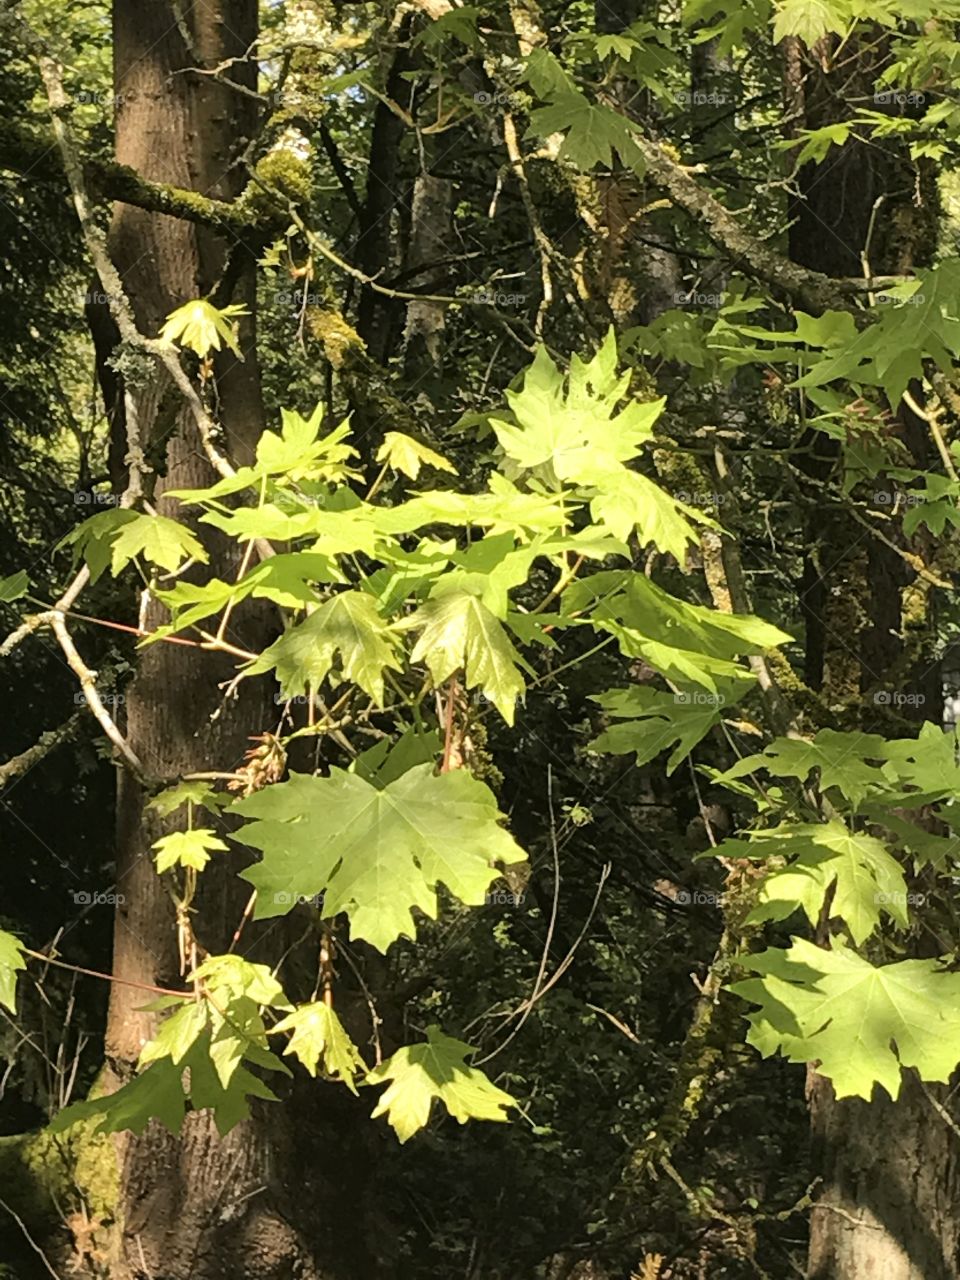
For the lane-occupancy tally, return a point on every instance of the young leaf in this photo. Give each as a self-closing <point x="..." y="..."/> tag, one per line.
<point x="347" y="624"/>
<point x="177" y="1034"/>
<point x="319" y="1038"/>
<point x="197" y="793"/>
<point x="203" y="327"/>
<point x="435" y="1070"/>
<point x="11" y="963"/>
<point x="375" y="853"/>
<point x="187" y="849"/>
<point x="405" y="454"/>
<point x="459" y="631"/>
<point x="117" y="536"/>
<point x="858" y="1023"/>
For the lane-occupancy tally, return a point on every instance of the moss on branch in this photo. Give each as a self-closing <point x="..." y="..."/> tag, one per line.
<point x="33" y="153"/>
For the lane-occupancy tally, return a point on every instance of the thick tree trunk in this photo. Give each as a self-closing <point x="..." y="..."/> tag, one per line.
<point x="196" y="1206"/>
<point x="891" y="1186"/>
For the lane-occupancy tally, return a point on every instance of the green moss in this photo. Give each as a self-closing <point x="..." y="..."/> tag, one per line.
<point x="286" y="173"/>
<point x="46" y="1178"/>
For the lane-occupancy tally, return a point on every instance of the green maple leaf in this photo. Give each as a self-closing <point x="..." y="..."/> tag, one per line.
<point x="866" y="879"/>
<point x="653" y="722"/>
<point x="436" y="1070"/>
<point x="203" y="327"/>
<point x="374" y="852"/>
<point x="187" y="849"/>
<point x="688" y="644"/>
<point x="624" y="500"/>
<point x="492" y="566"/>
<point x="13" y="587"/>
<point x="851" y="762"/>
<point x="194" y="793"/>
<point x="319" y="1039"/>
<point x="580" y="424"/>
<point x="504" y="509"/>
<point x="296" y="454"/>
<point x="891" y="352"/>
<point x="809" y="19"/>
<point x="11" y="963"/>
<point x="153" y="1094"/>
<point x="405" y="454"/>
<point x="858" y="1023"/>
<point x="236" y="990"/>
<point x="347" y="625"/>
<point x="285" y="579"/>
<point x="593" y="134"/>
<point x="230" y="1103"/>
<point x="920" y="770"/>
<point x="114" y="538"/>
<point x="458" y="631"/>
<point x="177" y="1034"/>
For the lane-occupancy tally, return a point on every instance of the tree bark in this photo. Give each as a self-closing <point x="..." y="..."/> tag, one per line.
<point x="197" y="1206"/>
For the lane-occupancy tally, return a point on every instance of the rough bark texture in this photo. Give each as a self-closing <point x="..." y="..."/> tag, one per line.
<point x="198" y="1206"/>
<point x="892" y="1182"/>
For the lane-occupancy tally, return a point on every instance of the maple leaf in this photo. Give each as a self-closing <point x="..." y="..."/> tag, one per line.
<point x="375" y="853"/>
<point x="347" y="625"/>
<point x="652" y="721"/>
<point x="318" y="1038"/>
<point x="187" y="849"/>
<point x="116" y="537"/>
<point x="593" y="134"/>
<point x="436" y="1070"/>
<point x="860" y="1024"/>
<point x="405" y="454"/>
<point x="851" y="762"/>
<point x="11" y="963"/>
<point x="203" y="327"/>
<point x="865" y="877"/>
<point x="458" y="631"/>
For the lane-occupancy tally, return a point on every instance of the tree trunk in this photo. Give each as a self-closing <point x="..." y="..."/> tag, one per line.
<point x="196" y="1206"/>
<point x="891" y="1186"/>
